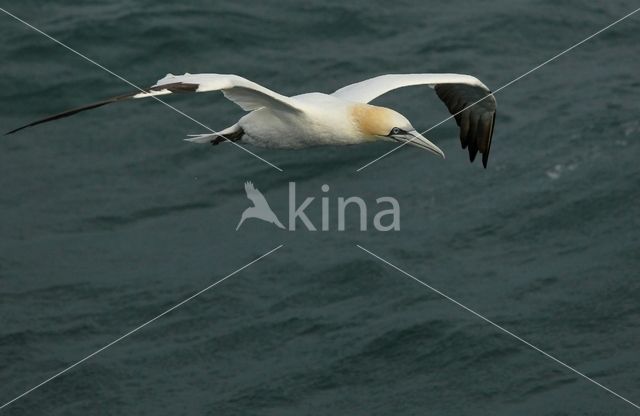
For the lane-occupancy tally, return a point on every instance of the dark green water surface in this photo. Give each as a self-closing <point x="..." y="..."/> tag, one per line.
<point x="108" y="218"/>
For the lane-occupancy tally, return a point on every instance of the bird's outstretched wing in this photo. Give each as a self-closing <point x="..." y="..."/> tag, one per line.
<point x="247" y="94"/>
<point x="254" y="195"/>
<point x="457" y="91"/>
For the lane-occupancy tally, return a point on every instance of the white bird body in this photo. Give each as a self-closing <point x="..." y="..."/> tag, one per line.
<point x="324" y="120"/>
<point x="341" y="118"/>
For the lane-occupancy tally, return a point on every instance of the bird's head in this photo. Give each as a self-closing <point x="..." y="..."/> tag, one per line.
<point x="381" y="123"/>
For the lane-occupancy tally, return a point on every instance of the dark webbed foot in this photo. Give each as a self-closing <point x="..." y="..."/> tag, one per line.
<point x="232" y="137"/>
<point x="217" y="140"/>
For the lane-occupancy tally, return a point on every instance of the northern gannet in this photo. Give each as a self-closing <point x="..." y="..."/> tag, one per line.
<point x="341" y="118"/>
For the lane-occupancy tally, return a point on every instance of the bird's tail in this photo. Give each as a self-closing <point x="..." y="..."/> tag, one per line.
<point x="233" y="133"/>
<point x="201" y="138"/>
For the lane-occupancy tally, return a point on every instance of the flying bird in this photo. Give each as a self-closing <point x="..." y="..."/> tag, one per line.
<point x="260" y="209"/>
<point x="341" y="118"/>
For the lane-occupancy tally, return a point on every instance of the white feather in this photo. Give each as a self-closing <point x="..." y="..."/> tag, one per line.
<point x="367" y="90"/>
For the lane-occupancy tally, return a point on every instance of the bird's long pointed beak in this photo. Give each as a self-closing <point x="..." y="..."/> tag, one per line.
<point x="416" y="139"/>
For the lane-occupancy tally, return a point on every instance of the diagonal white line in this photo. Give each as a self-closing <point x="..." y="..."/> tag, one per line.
<point x="58" y="374"/>
<point x="553" y="58"/>
<point x="137" y="87"/>
<point x="506" y="331"/>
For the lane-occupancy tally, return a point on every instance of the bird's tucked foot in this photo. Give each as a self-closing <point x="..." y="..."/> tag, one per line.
<point x="217" y="138"/>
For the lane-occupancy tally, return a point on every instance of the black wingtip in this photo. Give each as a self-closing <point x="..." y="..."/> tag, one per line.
<point x="176" y="87"/>
<point x="25" y="126"/>
<point x="485" y="155"/>
<point x="473" y="151"/>
<point x="13" y="131"/>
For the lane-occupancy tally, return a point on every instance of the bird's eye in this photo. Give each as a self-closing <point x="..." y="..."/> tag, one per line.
<point x="395" y="130"/>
